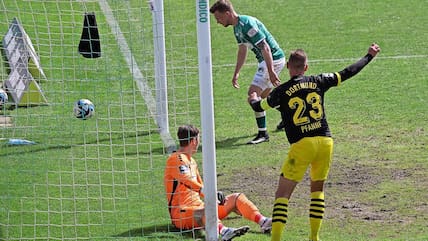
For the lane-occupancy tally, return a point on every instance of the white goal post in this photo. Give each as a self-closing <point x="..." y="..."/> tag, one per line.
<point x="207" y="118"/>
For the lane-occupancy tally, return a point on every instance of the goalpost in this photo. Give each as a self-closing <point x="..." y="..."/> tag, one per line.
<point x="207" y="118"/>
<point x="102" y="178"/>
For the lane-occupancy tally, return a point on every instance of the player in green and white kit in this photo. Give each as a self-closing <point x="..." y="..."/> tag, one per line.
<point x="252" y="34"/>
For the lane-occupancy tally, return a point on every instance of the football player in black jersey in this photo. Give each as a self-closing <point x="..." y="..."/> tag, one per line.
<point x="301" y="103"/>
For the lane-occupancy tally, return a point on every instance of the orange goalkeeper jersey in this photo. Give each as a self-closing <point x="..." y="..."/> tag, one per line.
<point x="182" y="182"/>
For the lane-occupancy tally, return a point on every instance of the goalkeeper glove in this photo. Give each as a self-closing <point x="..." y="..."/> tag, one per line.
<point x="221" y="198"/>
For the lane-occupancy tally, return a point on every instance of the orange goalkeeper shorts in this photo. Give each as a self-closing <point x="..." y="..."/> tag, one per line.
<point x="187" y="217"/>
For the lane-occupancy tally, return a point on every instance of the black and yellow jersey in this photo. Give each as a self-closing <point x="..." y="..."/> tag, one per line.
<point x="301" y="101"/>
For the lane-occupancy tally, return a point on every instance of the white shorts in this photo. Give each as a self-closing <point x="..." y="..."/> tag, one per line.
<point x="261" y="78"/>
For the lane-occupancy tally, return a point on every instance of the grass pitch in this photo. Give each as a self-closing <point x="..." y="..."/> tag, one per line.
<point x="102" y="178"/>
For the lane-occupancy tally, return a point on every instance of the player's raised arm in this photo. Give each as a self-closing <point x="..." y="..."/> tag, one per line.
<point x="374" y="49"/>
<point x="355" y="68"/>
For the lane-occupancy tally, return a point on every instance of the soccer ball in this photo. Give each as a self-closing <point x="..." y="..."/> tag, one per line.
<point x="3" y="97"/>
<point x="83" y="109"/>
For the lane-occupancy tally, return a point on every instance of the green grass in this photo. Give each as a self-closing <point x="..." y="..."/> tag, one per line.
<point x="102" y="178"/>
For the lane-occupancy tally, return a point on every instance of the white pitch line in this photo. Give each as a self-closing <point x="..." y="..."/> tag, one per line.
<point x="345" y="59"/>
<point x="377" y="57"/>
<point x="142" y="84"/>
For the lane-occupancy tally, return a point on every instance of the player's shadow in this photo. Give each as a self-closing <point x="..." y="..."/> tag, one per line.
<point x="233" y="142"/>
<point x="166" y="231"/>
<point x="169" y="232"/>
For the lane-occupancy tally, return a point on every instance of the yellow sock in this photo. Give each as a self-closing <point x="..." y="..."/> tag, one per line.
<point x="279" y="218"/>
<point x="316" y="214"/>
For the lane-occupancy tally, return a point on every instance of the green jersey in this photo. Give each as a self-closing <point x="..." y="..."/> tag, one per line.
<point x="250" y="31"/>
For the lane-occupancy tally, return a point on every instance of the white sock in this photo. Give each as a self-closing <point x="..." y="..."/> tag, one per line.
<point x="262" y="220"/>
<point x="223" y="230"/>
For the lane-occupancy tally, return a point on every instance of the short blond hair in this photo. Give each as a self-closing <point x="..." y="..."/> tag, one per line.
<point x="298" y="59"/>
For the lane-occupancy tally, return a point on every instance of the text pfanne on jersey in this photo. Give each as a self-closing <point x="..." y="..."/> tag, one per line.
<point x="310" y="127"/>
<point x="299" y="86"/>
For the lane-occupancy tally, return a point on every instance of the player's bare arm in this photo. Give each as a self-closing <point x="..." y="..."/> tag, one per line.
<point x="240" y="60"/>
<point x="267" y="56"/>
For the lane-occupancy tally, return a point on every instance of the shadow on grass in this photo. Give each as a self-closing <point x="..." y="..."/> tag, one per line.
<point x="167" y="232"/>
<point x="234" y="141"/>
<point x="37" y="148"/>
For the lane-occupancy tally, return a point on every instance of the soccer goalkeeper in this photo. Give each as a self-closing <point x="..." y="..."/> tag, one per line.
<point x="301" y="103"/>
<point x="183" y="186"/>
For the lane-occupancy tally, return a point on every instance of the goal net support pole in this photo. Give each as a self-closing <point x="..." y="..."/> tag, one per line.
<point x="207" y="119"/>
<point x="160" y="65"/>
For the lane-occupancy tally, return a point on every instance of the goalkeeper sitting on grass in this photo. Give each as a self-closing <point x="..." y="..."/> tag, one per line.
<point x="184" y="185"/>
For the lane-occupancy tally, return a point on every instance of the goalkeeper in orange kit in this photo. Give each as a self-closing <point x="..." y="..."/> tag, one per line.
<point x="184" y="192"/>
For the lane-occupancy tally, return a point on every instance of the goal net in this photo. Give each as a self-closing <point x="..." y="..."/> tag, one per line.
<point x="100" y="178"/>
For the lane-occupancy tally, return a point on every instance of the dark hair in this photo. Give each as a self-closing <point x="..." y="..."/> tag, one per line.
<point x="185" y="133"/>
<point x="221" y="6"/>
<point x="297" y="59"/>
